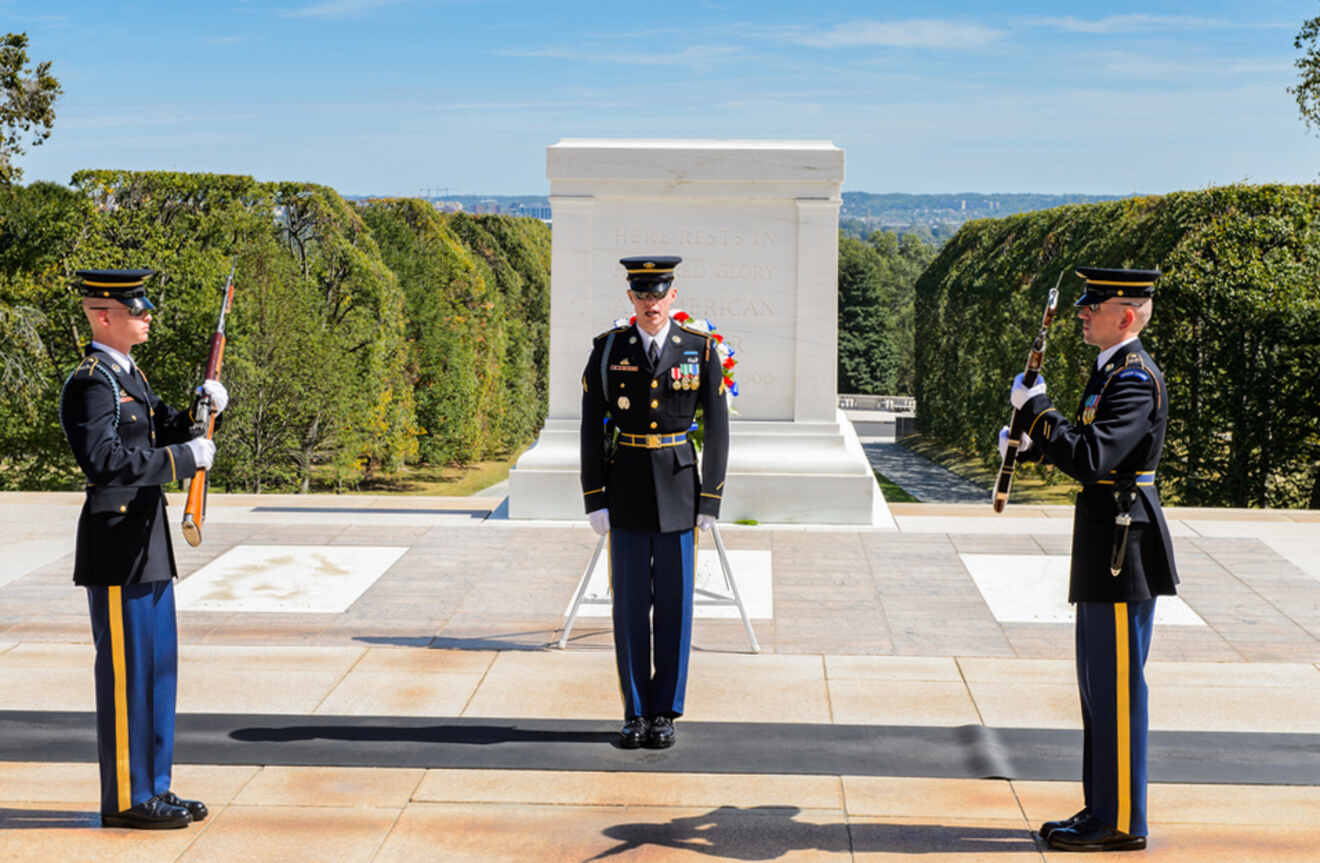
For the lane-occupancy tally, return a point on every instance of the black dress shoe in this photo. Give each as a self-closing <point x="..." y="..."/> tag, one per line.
<point x="1093" y="835"/>
<point x="662" y="733"/>
<point x="1050" y="826"/>
<point x="196" y="808"/>
<point x="153" y="814"/>
<point x="633" y="733"/>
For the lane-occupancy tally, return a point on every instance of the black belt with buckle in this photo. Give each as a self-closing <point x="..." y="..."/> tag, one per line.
<point x="652" y="441"/>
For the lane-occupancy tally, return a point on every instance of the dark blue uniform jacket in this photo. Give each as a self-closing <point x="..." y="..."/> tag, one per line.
<point x="654" y="489"/>
<point x="127" y="442"/>
<point x="1117" y="432"/>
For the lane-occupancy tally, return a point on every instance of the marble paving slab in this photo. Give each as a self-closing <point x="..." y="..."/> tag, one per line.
<point x="1033" y="588"/>
<point x="286" y="578"/>
<point x="1301" y="551"/>
<point x="751" y="570"/>
<point x="26" y="555"/>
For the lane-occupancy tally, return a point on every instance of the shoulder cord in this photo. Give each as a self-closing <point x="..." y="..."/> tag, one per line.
<point x="114" y="386"/>
<point x="604" y="367"/>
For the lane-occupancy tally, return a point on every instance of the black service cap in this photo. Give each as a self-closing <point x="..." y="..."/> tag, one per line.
<point x="650" y="273"/>
<point x="125" y="286"/>
<point x="1103" y="284"/>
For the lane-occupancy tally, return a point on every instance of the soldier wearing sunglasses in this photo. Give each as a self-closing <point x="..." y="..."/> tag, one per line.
<point x="128" y="442"/>
<point x="1122" y="556"/>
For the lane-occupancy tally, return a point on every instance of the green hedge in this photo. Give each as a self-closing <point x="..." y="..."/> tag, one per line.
<point x="361" y="337"/>
<point x="1236" y="330"/>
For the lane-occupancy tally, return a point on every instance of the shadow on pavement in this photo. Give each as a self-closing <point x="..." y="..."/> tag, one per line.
<point x="501" y="641"/>
<point x="47" y="819"/>
<point x="769" y="832"/>
<point x="480" y="735"/>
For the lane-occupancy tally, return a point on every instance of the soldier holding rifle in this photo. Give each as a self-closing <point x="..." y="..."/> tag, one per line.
<point x="1122" y="556"/>
<point x="128" y="442"/>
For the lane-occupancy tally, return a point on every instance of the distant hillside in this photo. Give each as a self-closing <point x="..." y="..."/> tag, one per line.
<point x="937" y="216"/>
<point x="897" y="209"/>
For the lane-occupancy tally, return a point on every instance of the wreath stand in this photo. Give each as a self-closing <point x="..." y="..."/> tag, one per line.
<point x="700" y="596"/>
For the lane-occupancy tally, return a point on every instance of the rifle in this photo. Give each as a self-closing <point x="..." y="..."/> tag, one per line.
<point x="1016" y="425"/>
<point x="194" y="513"/>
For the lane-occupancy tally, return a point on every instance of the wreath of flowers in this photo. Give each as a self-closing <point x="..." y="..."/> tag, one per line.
<point x="727" y="362"/>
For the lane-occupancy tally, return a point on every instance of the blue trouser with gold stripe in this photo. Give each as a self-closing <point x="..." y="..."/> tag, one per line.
<point x="1113" y="641"/>
<point x="136" y="677"/>
<point x="652" y="570"/>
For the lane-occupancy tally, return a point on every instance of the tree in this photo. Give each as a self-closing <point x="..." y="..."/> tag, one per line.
<point x="1307" y="91"/>
<point x="40" y="225"/>
<point x="876" y="279"/>
<point x="28" y="107"/>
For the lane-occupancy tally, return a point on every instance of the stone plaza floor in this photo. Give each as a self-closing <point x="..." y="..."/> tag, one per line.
<point x="375" y="678"/>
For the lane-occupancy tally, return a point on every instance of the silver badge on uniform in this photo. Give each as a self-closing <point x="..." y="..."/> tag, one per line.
<point x="624" y="404"/>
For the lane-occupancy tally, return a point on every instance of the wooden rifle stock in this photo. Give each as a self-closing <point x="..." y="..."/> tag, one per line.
<point x="1017" y="424"/>
<point x="194" y="512"/>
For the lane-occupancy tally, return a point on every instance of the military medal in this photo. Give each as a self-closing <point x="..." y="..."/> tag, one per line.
<point x="624" y="404"/>
<point x="1088" y="411"/>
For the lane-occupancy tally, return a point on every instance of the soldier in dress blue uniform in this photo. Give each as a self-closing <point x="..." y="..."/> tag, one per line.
<point x="128" y="442"/>
<point x="1122" y="556"/>
<point x="640" y="392"/>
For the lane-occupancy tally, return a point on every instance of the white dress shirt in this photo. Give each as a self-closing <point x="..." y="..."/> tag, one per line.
<point x="658" y="338"/>
<point x="1109" y="352"/>
<point x="115" y="355"/>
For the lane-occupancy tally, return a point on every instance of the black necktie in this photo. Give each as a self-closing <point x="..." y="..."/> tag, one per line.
<point x="654" y="355"/>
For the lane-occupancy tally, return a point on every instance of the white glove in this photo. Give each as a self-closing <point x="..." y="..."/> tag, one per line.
<point x="600" y="520"/>
<point x="216" y="392"/>
<point x="1003" y="443"/>
<point x="203" y="451"/>
<point x="705" y="522"/>
<point x="1021" y="394"/>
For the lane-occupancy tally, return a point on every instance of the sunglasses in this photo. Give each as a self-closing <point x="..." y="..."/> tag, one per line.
<point x="133" y="311"/>
<point x="1094" y="308"/>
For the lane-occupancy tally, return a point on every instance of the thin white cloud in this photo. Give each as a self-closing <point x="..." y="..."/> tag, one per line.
<point x="531" y="105"/>
<point x="1134" y="23"/>
<point x="1137" y="66"/>
<point x="911" y="33"/>
<point x="336" y="9"/>
<point x="693" y="55"/>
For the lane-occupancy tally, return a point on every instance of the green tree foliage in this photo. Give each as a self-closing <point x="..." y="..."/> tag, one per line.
<point x="40" y="225"/>
<point x="876" y="280"/>
<point x="1307" y="91"/>
<point x="359" y="415"/>
<point x="1234" y="329"/>
<point x="478" y="303"/>
<point x="516" y="255"/>
<point x="449" y="304"/>
<point x="28" y="105"/>
<point x="336" y="346"/>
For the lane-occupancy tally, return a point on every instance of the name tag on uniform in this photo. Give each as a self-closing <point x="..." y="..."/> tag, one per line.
<point x="624" y="368"/>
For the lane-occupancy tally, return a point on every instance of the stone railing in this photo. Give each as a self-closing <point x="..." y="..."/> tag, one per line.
<point x="896" y="404"/>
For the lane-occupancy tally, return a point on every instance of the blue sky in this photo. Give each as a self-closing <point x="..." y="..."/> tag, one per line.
<point x="393" y="96"/>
